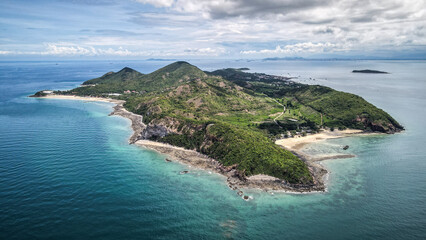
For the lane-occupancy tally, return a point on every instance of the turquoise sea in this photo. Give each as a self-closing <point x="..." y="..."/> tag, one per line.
<point x="67" y="171"/>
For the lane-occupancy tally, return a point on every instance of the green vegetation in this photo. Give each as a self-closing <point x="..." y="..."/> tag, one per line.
<point x="250" y="150"/>
<point x="313" y="103"/>
<point x="39" y="94"/>
<point x="233" y="116"/>
<point x="344" y="109"/>
<point x="124" y="76"/>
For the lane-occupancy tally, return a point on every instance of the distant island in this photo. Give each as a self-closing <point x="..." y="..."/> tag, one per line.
<point x="369" y="71"/>
<point x="227" y="120"/>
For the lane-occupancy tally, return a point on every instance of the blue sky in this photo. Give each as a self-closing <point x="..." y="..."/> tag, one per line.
<point x="228" y="29"/>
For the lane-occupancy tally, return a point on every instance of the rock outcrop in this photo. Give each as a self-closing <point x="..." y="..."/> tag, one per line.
<point x="154" y="130"/>
<point x="379" y="127"/>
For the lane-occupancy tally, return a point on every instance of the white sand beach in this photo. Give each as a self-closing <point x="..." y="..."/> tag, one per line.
<point x="73" y="97"/>
<point x="296" y="143"/>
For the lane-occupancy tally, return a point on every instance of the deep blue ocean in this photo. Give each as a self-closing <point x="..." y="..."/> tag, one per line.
<point x="67" y="171"/>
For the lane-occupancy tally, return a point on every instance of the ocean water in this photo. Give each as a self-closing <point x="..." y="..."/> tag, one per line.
<point x="67" y="171"/>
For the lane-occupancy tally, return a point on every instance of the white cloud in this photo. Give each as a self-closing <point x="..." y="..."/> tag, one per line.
<point x="6" y="52"/>
<point x="306" y="47"/>
<point x="158" y="3"/>
<point x="71" y="49"/>
<point x="357" y="10"/>
<point x="234" y="8"/>
<point x="360" y="24"/>
<point x="67" y="49"/>
<point x="226" y="28"/>
<point x="204" y="51"/>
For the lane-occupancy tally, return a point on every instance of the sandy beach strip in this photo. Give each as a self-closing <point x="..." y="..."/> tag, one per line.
<point x="90" y="99"/>
<point x="318" y="171"/>
<point x="296" y="143"/>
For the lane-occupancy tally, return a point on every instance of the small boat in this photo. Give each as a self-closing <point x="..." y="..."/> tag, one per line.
<point x="346" y="147"/>
<point x="168" y="160"/>
<point x="184" y="172"/>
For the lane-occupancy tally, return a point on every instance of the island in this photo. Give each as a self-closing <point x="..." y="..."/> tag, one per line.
<point x="369" y="71"/>
<point x="228" y="120"/>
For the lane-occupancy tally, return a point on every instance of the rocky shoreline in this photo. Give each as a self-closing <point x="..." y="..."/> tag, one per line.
<point x="235" y="180"/>
<point x="137" y="124"/>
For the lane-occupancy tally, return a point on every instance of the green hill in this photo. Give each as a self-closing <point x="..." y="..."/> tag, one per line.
<point x="124" y="75"/>
<point x="233" y="116"/>
<point x="129" y="79"/>
<point x="315" y="104"/>
<point x="171" y="75"/>
<point x="340" y="109"/>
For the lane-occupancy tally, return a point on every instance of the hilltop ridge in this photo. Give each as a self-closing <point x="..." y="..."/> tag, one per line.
<point x="125" y="74"/>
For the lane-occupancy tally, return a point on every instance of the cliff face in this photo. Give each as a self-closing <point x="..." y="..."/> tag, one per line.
<point x="154" y="130"/>
<point x="385" y="128"/>
<point x="379" y="126"/>
<point x="161" y="127"/>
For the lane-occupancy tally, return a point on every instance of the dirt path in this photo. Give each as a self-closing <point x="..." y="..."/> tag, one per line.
<point x="275" y="119"/>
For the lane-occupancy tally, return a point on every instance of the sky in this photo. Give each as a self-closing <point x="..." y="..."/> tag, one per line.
<point x="202" y="29"/>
